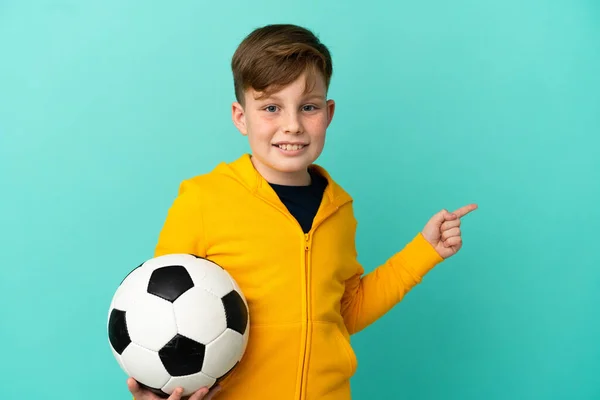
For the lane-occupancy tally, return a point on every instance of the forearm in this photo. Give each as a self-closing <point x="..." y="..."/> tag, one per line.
<point x="370" y="296"/>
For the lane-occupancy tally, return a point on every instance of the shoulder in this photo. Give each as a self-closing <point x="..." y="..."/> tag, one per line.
<point x="220" y="181"/>
<point x="204" y="185"/>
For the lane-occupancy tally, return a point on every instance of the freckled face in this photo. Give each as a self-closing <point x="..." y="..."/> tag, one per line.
<point x="286" y="131"/>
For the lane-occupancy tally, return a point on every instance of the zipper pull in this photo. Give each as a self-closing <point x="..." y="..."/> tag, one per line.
<point x="306" y="241"/>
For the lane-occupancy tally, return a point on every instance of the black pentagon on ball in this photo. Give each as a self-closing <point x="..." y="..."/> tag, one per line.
<point x="156" y="391"/>
<point x="118" y="334"/>
<point x="170" y="282"/>
<point x="182" y="356"/>
<point x="235" y="312"/>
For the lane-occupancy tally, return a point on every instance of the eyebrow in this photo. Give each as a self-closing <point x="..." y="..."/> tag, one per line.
<point x="315" y="96"/>
<point x="309" y="97"/>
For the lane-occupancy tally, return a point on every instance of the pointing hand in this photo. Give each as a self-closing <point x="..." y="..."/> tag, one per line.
<point x="443" y="230"/>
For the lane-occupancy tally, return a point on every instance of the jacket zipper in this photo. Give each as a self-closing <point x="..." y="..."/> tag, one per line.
<point x="307" y="249"/>
<point x="307" y="305"/>
<point x="307" y="237"/>
<point x="306" y="291"/>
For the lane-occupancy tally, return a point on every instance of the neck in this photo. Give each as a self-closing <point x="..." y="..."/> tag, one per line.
<point x="303" y="180"/>
<point x="299" y="178"/>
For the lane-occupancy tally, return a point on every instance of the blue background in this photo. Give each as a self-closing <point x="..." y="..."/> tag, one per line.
<point x="105" y="106"/>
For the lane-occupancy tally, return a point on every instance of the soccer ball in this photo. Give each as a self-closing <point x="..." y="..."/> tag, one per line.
<point x="178" y="320"/>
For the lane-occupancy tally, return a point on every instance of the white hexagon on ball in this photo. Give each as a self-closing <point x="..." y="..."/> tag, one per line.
<point x="190" y="382"/>
<point x="145" y="365"/>
<point x="133" y="286"/>
<point x="223" y="353"/>
<point x="151" y="322"/>
<point x="211" y="277"/>
<point x="199" y="315"/>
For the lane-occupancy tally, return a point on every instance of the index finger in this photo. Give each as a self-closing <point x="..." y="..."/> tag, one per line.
<point x="461" y="212"/>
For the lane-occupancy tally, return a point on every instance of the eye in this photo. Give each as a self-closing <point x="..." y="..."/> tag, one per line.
<point x="309" y="107"/>
<point x="270" y="109"/>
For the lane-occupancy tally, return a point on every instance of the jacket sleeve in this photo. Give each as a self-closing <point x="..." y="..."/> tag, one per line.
<point x="368" y="297"/>
<point x="183" y="229"/>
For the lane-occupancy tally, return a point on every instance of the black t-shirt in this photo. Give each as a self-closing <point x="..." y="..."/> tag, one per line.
<point x="303" y="201"/>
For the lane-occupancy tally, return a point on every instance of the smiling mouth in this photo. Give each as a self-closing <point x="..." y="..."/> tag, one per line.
<point x="291" y="147"/>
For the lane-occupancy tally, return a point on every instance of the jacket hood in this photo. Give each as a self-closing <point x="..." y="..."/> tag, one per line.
<point x="242" y="170"/>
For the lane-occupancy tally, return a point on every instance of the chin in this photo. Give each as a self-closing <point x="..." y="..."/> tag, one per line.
<point x="293" y="165"/>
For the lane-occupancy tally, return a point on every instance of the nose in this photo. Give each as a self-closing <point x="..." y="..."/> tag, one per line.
<point x="291" y="123"/>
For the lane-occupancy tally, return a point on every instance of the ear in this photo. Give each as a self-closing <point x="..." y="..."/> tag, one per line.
<point x="239" y="118"/>
<point x="330" y="111"/>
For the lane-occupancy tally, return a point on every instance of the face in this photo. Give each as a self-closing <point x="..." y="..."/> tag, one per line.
<point x="286" y="131"/>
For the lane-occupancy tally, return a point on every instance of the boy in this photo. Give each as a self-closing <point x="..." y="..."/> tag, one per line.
<point x="285" y="230"/>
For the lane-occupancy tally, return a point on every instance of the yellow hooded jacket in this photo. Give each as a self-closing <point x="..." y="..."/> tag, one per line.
<point x="306" y="292"/>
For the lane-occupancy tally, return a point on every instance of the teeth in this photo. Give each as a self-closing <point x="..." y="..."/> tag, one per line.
<point x="291" y="147"/>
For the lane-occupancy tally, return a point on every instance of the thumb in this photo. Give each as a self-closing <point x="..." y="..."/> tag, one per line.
<point x="133" y="387"/>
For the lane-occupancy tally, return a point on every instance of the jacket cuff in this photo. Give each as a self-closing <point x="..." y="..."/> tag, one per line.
<point x="419" y="256"/>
